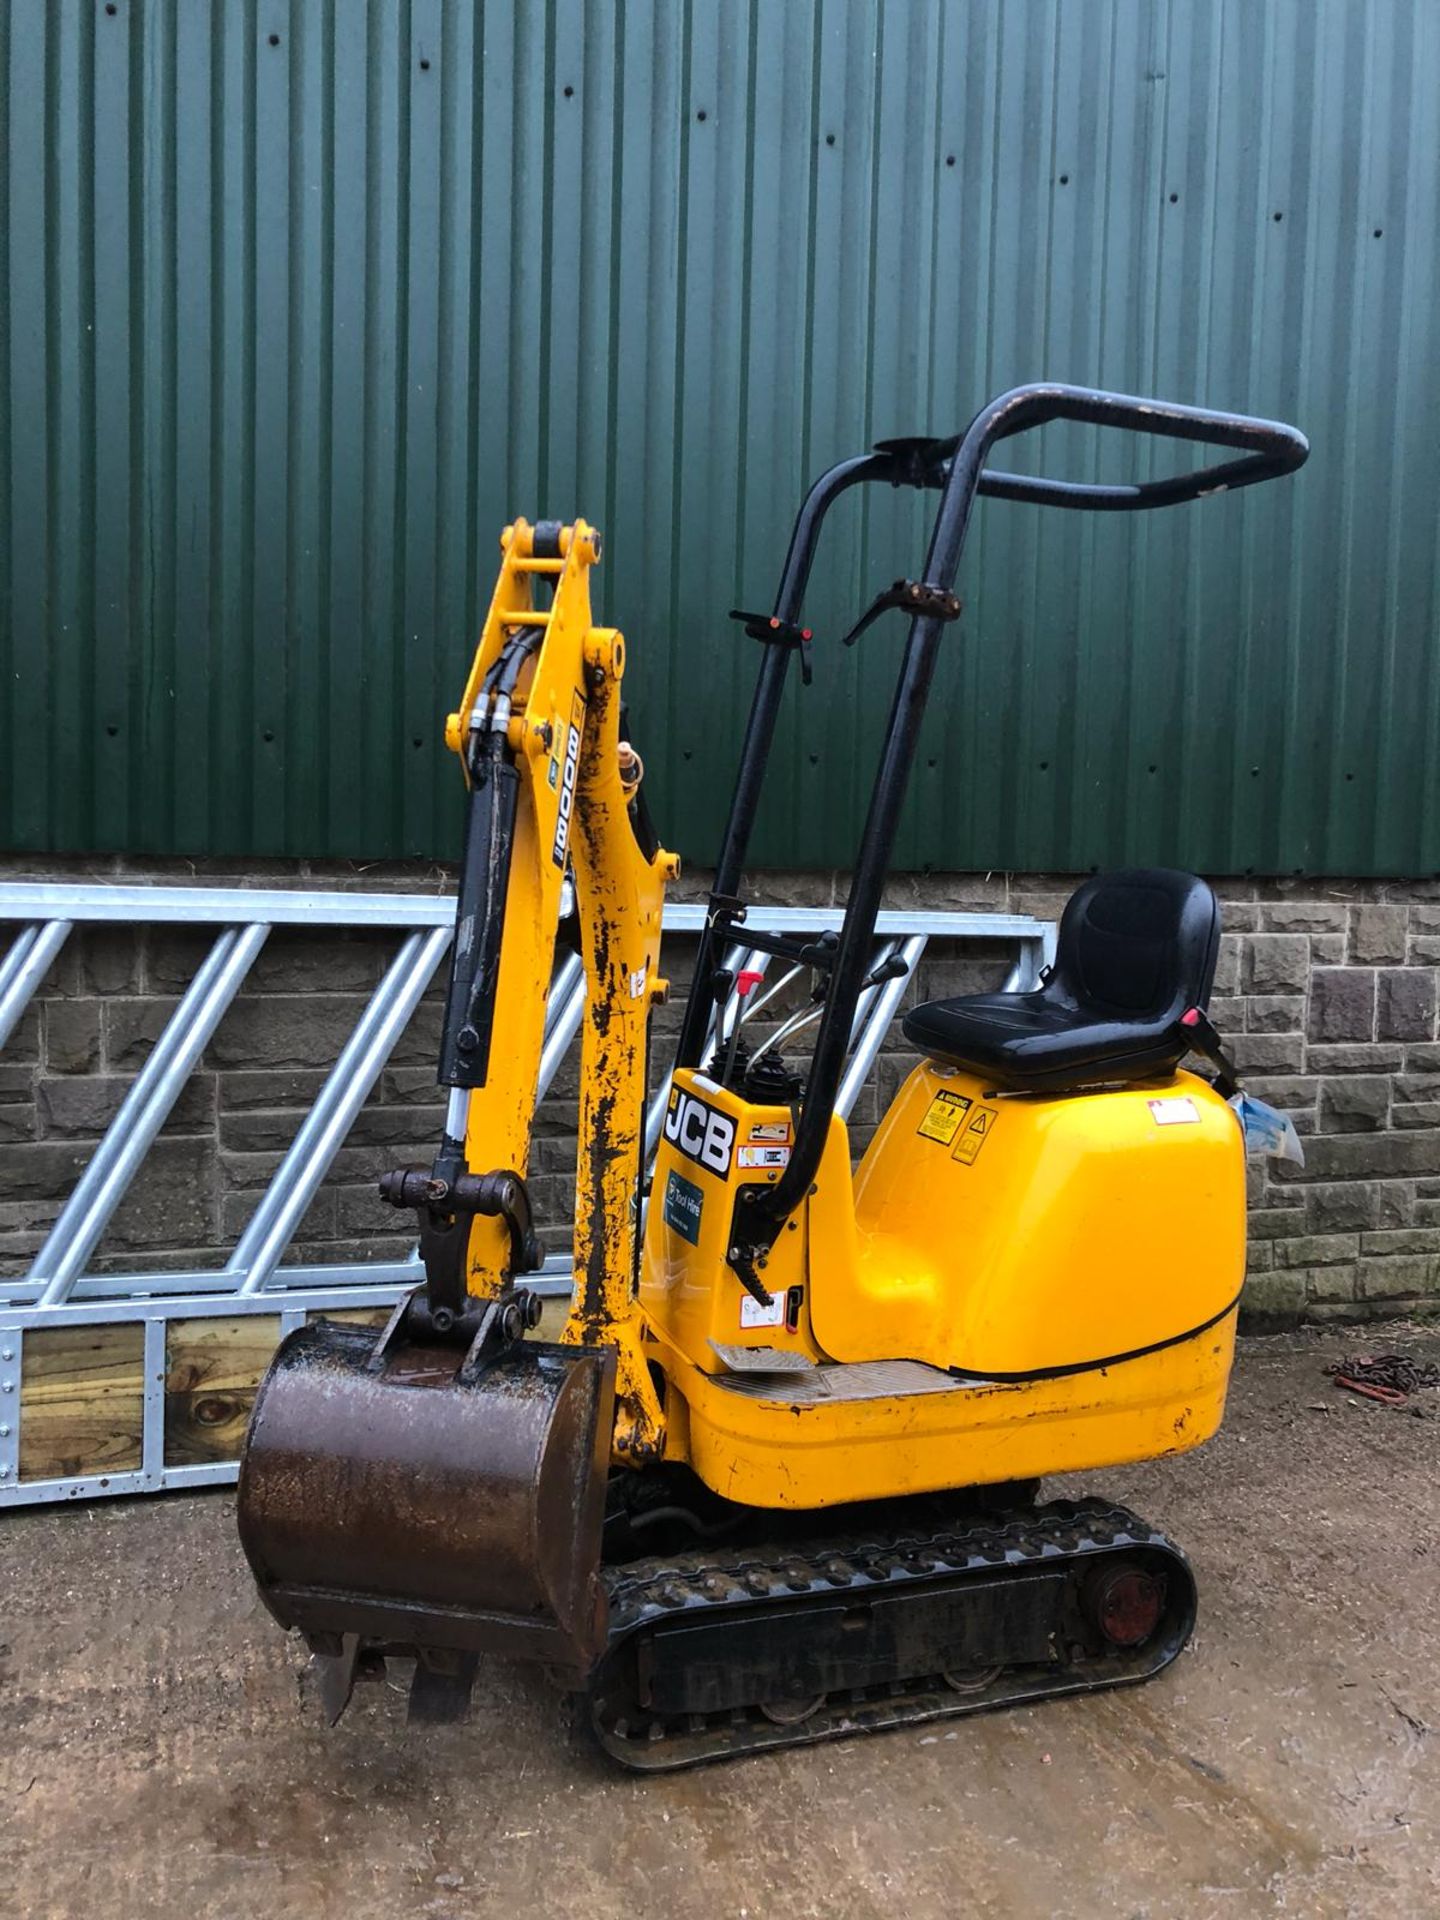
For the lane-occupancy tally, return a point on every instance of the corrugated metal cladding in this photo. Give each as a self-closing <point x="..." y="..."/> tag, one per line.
<point x="302" y="301"/>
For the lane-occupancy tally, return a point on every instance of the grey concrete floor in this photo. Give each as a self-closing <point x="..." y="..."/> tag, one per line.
<point x="161" y="1751"/>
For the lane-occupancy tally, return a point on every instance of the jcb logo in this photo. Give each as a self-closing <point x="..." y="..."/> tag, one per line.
<point x="700" y="1132"/>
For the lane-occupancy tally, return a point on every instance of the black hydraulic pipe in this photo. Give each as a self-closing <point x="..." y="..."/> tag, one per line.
<point x="479" y="926"/>
<point x="484" y="883"/>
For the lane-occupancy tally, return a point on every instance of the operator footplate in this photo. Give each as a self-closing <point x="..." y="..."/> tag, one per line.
<point x="712" y="1656"/>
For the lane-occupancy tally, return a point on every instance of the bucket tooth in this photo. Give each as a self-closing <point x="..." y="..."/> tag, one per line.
<point x="335" y="1673"/>
<point x="440" y="1689"/>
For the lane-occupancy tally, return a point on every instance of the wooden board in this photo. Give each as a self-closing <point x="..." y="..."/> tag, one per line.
<point x="82" y="1391"/>
<point x="212" y="1369"/>
<point x="82" y="1404"/>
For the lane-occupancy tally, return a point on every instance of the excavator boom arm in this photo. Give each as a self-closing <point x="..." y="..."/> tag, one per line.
<point x="537" y="733"/>
<point x="440" y="1490"/>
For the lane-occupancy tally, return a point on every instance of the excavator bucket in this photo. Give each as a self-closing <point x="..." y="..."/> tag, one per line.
<point x="396" y="1498"/>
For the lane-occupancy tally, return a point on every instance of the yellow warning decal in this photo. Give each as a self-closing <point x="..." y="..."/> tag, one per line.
<point x="975" y="1135"/>
<point x="943" y="1117"/>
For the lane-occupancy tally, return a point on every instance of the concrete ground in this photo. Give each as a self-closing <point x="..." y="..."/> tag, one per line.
<point x="161" y="1751"/>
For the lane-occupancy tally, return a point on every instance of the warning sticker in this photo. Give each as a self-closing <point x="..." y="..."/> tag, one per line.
<point x="763" y="1157"/>
<point x="943" y="1117"/>
<point x="770" y="1130"/>
<point x="975" y="1135"/>
<point x="752" y="1314"/>
<point x="1179" y="1110"/>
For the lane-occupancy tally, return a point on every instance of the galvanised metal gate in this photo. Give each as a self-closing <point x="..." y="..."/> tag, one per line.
<point x="58" y="1292"/>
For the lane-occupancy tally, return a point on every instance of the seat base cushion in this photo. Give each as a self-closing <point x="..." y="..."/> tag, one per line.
<point x="1030" y="1041"/>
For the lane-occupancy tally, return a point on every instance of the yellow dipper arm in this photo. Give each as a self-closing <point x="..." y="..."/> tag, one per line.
<point x="538" y="737"/>
<point x="620" y="891"/>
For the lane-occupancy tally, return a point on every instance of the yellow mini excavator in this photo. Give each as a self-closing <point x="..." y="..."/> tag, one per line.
<point x="776" y="1480"/>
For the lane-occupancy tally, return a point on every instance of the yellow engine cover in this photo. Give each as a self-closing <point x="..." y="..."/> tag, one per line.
<point x="1025" y="1234"/>
<point x="1064" y="1270"/>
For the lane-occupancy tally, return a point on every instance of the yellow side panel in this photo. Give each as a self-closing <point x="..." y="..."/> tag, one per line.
<point x="1015" y="1237"/>
<point x="1003" y="1236"/>
<point x="713" y="1144"/>
<point x="779" y="1451"/>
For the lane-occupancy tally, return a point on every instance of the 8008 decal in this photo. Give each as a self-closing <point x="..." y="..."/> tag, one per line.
<point x="568" y="771"/>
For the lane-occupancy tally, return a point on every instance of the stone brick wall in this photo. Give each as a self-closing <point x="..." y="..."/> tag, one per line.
<point x="1326" y="991"/>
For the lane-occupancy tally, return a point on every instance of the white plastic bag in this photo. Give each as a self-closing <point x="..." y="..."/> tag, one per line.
<point x="1266" y="1129"/>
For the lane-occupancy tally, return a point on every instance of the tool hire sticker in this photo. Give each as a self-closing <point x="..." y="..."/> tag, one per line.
<point x="684" y="1206"/>
<point x="567" y="781"/>
<point x="701" y="1133"/>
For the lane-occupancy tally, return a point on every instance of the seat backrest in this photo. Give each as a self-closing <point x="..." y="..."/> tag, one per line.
<point x="1139" y="944"/>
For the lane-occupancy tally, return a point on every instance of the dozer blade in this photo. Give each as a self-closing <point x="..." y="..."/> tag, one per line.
<point x="390" y="1502"/>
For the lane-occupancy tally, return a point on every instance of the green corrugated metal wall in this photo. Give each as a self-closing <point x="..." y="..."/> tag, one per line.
<point x="300" y="302"/>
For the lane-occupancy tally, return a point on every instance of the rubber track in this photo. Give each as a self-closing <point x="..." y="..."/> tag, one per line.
<point x="644" y="1592"/>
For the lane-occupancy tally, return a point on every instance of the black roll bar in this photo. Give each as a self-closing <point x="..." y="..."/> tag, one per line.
<point x="1267" y="449"/>
<point x="760" y="733"/>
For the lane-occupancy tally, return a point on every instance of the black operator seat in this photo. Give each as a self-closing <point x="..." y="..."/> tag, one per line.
<point x="1136" y="951"/>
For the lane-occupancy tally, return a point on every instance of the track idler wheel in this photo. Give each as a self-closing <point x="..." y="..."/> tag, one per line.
<point x="1125" y="1602"/>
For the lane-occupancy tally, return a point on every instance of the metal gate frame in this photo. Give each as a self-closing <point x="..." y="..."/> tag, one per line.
<point x="59" y="1292"/>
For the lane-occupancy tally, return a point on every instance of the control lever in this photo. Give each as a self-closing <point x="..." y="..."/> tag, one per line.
<point x="917" y="597"/>
<point x="775" y="632"/>
<point x="891" y="969"/>
<point x="1203" y="1038"/>
<point x="745" y="982"/>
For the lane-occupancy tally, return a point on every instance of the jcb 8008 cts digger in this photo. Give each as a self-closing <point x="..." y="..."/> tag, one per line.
<point x="776" y="1481"/>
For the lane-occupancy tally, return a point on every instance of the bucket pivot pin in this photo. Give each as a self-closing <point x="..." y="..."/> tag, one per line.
<point x="446" y="1203"/>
